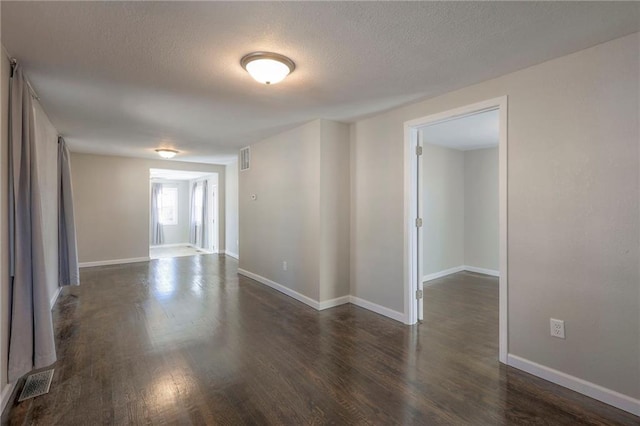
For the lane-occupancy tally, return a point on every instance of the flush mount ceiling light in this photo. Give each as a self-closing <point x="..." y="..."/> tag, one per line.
<point x="166" y="153"/>
<point x="267" y="67"/>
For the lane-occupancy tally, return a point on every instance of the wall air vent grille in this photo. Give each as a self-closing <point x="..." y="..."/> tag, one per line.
<point x="245" y="159"/>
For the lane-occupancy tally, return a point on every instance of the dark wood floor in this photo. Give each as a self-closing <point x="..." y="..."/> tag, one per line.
<point x="186" y="341"/>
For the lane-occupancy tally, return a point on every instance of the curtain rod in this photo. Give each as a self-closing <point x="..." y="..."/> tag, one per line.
<point x="14" y="62"/>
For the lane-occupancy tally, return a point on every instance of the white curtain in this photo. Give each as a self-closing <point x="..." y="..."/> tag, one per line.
<point x="204" y="230"/>
<point x="157" y="231"/>
<point x="199" y="214"/>
<point x="68" y="271"/>
<point x="31" y="339"/>
<point x="193" y="218"/>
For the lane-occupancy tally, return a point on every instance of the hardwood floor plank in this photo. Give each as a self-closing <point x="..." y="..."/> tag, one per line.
<point x="188" y="341"/>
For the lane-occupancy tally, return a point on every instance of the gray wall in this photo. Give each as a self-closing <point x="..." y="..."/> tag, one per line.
<point x="301" y="180"/>
<point x="231" y="205"/>
<point x="334" y="210"/>
<point x="179" y="233"/>
<point x="443" y="208"/>
<point x="5" y="68"/>
<point x="460" y="208"/>
<point x="572" y="201"/>
<point x="112" y="204"/>
<point x="282" y="224"/>
<point x="481" y="218"/>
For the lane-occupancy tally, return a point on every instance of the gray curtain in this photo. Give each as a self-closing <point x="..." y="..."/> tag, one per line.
<point x="193" y="219"/>
<point x="69" y="273"/>
<point x="31" y="338"/>
<point x="204" y="238"/>
<point x="157" y="232"/>
<point x="198" y="225"/>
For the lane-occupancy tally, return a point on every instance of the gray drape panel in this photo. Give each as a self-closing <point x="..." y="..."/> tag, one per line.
<point x="31" y="339"/>
<point x="157" y="232"/>
<point x="198" y="227"/>
<point x="204" y="239"/>
<point x="193" y="219"/>
<point x="68" y="271"/>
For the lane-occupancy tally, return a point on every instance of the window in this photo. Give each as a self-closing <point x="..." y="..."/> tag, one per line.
<point x="168" y="206"/>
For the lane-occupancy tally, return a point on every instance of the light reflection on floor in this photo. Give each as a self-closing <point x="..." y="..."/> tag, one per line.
<point x="165" y="277"/>
<point x="140" y="344"/>
<point x="162" y="252"/>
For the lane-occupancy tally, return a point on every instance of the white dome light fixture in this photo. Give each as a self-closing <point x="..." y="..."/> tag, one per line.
<point x="166" y="153"/>
<point x="267" y="67"/>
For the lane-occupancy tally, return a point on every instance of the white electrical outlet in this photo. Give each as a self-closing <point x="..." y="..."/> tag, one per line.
<point x="284" y="265"/>
<point x="557" y="328"/>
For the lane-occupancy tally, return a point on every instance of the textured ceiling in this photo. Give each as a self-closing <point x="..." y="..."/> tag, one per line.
<point x="127" y="77"/>
<point x="471" y="132"/>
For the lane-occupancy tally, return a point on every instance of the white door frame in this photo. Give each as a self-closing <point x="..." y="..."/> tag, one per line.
<point x="213" y="217"/>
<point x="413" y="208"/>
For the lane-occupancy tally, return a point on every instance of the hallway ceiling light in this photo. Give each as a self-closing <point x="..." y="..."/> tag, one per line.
<point x="166" y="153"/>
<point x="267" y="67"/>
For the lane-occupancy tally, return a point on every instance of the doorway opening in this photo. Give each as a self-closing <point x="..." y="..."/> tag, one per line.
<point x="443" y="255"/>
<point x="183" y="213"/>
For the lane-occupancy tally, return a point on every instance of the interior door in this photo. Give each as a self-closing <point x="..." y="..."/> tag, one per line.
<point x="419" y="230"/>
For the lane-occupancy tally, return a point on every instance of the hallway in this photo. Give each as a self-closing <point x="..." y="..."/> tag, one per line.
<point x="186" y="340"/>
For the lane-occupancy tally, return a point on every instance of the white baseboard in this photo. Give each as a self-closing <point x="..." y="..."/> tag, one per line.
<point x="7" y="391"/>
<point x="193" y="246"/>
<point x="171" y="245"/>
<point x="113" y="262"/>
<point x="334" y="302"/>
<point x="282" y="289"/>
<point x="232" y="254"/>
<point x="54" y="298"/>
<point x="444" y="273"/>
<point x="584" y="387"/>
<point x="389" y="313"/>
<point x="440" y="274"/>
<point x="398" y="316"/>
<point x="491" y="272"/>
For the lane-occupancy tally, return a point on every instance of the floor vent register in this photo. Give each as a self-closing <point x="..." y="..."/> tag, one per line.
<point x="37" y="384"/>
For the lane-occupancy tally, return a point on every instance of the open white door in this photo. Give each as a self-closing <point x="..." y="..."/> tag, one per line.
<point x="414" y="210"/>
<point x="419" y="223"/>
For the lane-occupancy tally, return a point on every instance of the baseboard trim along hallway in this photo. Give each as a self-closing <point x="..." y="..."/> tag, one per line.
<point x="331" y="303"/>
<point x="389" y="313"/>
<point x="454" y="270"/>
<point x="7" y="391"/>
<point x="54" y="298"/>
<point x="282" y="289"/>
<point x="584" y="387"/>
<point x="232" y="254"/>
<point x="378" y="309"/>
<point x="113" y="262"/>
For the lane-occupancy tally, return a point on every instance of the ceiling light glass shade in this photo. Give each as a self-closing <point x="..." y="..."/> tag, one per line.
<point x="166" y="153"/>
<point x="267" y="67"/>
